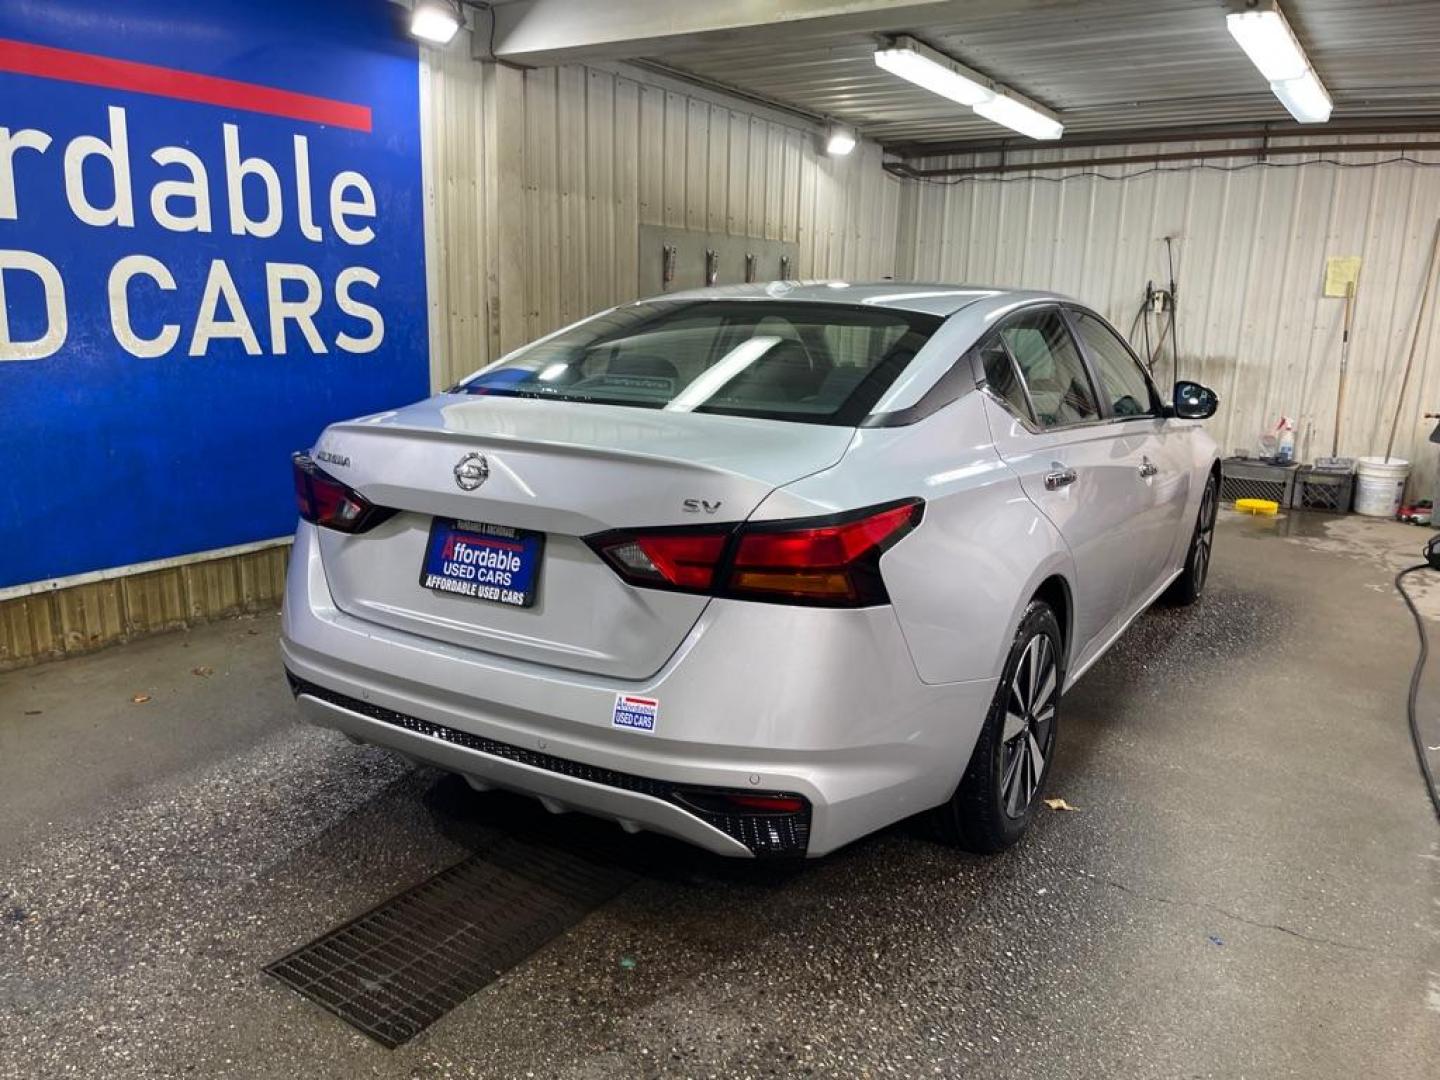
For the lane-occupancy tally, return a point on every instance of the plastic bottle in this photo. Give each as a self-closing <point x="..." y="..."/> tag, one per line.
<point x="1285" y="447"/>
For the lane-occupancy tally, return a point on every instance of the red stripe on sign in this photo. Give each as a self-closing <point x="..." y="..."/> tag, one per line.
<point x="23" y="58"/>
<point x="486" y="541"/>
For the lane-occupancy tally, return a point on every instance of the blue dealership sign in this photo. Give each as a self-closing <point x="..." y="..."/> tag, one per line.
<point x="210" y="247"/>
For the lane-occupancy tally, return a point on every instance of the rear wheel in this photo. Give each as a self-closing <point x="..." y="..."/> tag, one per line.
<point x="997" y="797"/>
<point x="1187" y="588"/>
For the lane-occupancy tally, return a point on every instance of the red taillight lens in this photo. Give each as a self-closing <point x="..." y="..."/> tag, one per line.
<point x="836" y="561"/>
<point x="832" y="561"/>
<point x="665" y="558"/>
<point x="323" y="500"/>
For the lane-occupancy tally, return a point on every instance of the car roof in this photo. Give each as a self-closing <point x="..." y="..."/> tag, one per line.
<point x="932" y="298"/>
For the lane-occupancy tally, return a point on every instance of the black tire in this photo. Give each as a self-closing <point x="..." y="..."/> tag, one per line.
<point x="985" y="814"/>
<point x="1186" y="588"/>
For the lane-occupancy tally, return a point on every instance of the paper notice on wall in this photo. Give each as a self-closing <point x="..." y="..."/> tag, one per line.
<point x="1342" y="273"/>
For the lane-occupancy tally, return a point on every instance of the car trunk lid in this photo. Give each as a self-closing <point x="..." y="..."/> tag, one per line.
<point x="566" y="470"/>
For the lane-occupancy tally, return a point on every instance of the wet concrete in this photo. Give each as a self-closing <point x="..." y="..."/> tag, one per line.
<point x="1249" y="887"/>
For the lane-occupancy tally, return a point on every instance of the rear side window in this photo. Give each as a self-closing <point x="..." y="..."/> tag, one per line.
<point x="1125" y="384"/>
<point x="1002" y="379"/>
<point x="812" y="362"/>
<point x="1050" y="364"/>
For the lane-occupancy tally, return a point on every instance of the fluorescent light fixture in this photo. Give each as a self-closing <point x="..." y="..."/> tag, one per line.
<point x="1269" y="42"/>
<point x="839" y="140"/>
<point x="1260" y="28"/>
<point x="936" y="72"/>
<point x="435" y="21"/>
<point x="933" y="71"/>
<point x="1305" y="97"/>
<point x="1020" y="117"/>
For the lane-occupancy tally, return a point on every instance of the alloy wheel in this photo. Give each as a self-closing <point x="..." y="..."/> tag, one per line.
<point x="1205" y="534"/>
<point x="1029" y="724"/>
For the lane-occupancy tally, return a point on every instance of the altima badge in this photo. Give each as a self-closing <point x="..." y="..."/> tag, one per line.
<point x="471" y="471"/>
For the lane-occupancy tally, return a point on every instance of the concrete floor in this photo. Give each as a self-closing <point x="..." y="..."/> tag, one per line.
<point x="1251" y="886"/>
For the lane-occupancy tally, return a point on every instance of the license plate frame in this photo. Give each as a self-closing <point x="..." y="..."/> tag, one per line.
<point x="485" y="570"/>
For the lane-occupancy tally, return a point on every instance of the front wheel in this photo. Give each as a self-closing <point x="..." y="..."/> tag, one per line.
<point x="997" y="797"/>
<point x="1187" y="588"/>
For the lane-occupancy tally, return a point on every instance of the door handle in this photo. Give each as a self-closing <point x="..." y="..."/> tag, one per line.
<point x="1058" y="479"/>
<point x="1147" y="468"/>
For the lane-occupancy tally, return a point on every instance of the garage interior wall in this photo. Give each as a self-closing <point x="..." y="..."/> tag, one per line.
<point x="1250" y="254"/>
<point x="590" y="154"/>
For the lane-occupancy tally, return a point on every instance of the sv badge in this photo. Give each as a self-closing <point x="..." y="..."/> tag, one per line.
<point x="695" y="506"/>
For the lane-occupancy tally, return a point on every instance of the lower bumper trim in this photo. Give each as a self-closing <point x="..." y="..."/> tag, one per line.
<point x="762" y="833"/>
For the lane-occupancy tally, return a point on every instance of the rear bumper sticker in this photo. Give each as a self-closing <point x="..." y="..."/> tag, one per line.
<point x="635" y="713"/>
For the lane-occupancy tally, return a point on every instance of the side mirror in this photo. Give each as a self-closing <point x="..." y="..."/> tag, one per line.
<point x="1194" y="402"/>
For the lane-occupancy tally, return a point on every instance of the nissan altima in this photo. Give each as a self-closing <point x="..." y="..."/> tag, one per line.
<point x="761" y="567"/>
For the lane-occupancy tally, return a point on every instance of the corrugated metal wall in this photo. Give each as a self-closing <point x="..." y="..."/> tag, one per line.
<point x="542" y="180"/>
<point x="1250" y="259"/>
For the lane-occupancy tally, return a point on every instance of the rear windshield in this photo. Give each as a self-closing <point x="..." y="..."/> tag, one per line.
<point x="814" y="363"/>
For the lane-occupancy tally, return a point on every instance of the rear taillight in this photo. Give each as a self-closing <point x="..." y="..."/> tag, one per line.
<point x="681" y="560"/>
<point x="831" y="561"/>
<point x="323" y="500"/>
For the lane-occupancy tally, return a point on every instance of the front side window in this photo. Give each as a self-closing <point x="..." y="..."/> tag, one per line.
<point x="1125" y="384"/>
<point x="1050" y="364"/>
<point x="810" y="362"/>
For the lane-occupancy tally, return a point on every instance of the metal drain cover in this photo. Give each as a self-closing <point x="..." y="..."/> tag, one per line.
<point x="398" y="968"/>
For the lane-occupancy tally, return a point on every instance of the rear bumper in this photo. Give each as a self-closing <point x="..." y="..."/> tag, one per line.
<point x="635" y="802"/>
<point x="823" y="704"/>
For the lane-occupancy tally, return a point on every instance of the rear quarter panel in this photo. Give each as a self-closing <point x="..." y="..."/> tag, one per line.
<point x="960" y="581"/>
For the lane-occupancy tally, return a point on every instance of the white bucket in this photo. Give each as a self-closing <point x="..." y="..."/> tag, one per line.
<point x="1379" y="486"/>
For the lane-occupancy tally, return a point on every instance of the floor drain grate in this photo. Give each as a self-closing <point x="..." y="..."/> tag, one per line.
<point x="397" y="969"/>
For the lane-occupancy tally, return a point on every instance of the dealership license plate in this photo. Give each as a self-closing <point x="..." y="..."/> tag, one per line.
<point x="486" y="562"/>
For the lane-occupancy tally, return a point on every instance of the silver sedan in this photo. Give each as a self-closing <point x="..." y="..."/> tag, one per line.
<point x="764" y="568"/>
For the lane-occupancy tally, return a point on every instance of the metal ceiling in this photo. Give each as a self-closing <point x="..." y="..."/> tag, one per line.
<point x="1107" y="66"/>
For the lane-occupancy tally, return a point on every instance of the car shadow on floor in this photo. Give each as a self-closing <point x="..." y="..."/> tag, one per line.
<point x="475" y="820"/>
<point x="900" y="854"/>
